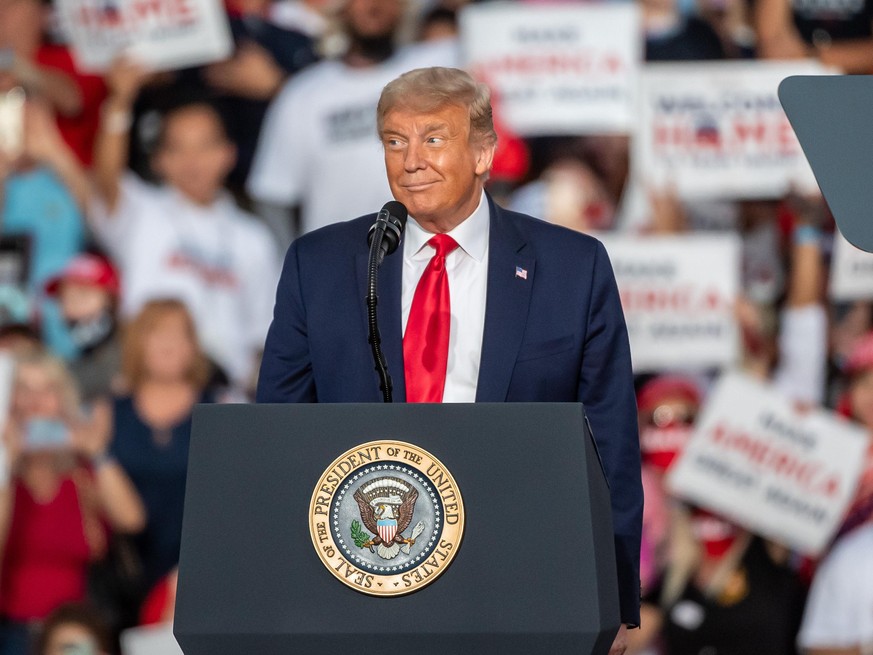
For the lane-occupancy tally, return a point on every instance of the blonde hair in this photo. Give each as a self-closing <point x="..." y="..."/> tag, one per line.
<point x="428" y="89"/>
<point x="133" y="366"/>
<point x="59" y="375"/>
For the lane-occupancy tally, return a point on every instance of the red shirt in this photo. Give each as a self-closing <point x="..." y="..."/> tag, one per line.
<point x="78" y="131"/>
<point x="47" y="555"/>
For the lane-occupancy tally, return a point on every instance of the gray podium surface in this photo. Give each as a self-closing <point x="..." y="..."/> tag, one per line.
<point x="535" y="571"/>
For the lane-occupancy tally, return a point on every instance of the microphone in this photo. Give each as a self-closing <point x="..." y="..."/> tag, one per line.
<point x="390" y="221"/>
<point x="382" y="238"/>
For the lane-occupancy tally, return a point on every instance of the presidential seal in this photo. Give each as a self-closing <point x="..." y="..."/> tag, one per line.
<point x="386" y="518"/>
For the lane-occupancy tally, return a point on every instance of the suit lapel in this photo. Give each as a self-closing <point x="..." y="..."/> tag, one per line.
<point x="388" y="310"/>
<point x="506" y="306"/>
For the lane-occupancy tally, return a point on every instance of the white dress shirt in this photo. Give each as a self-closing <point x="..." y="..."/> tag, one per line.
<point x="467" y="267"/>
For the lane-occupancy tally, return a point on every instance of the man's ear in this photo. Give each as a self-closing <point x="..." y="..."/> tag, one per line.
<point x="485" y="157"/>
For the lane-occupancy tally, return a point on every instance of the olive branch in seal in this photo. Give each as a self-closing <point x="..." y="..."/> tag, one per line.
<point x="359" y="536"/>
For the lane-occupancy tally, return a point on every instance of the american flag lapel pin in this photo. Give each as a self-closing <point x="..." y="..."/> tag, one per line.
<point x="521" y="272"/>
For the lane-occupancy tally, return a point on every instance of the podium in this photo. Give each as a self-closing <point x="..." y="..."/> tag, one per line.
<point x="534" y="570"/>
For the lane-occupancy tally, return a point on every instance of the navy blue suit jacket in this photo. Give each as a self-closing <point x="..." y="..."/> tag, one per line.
<point x="557" y="336"/>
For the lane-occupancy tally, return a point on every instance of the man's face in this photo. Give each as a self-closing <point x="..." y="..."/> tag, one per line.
<point x="433" y="167"/>
<point x="195" y="156"/>
<point x="81" y="301"/>
<point x="370" y="19"/>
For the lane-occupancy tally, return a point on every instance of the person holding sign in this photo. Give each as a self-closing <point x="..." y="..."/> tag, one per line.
<point x="551" y="329"/>
<point x="47" y="72"/>
<point x="321" y="124"/>
<point x="202" y="248"/>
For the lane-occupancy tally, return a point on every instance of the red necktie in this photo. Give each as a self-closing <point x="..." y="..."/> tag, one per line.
<point x="426" y="342"/>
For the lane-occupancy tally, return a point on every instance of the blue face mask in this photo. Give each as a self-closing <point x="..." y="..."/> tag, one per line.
<point x="79" y="648"/>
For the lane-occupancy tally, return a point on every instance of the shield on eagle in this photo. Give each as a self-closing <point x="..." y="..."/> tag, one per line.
<point x="387" y="529"/>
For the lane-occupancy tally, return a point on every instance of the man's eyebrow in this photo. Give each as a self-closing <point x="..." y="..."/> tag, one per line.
<point x="435" y="127"/>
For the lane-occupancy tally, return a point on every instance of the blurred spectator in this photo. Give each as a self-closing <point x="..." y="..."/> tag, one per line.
<point x="568" y="193"/>
<point x="668" y="406"/>
<point x="87" y="290"/>
<point x="674" y="33"/>
<point x="266" y="56"/>
<point x="856" y="403"/>
<point x="319" y="148"/>
<point x="43" y="191"/>
<point x="723" y="591"/>
<point x="789" y="347"/>
<point x="53" y="516"/>
<point x="839" y="614"/>
<point x="19" y="339"/>
<point x="438" y="23"/>
<point x="74" y="630"/>
<point x="838" y="34"/>
<point x="731" y="21"/>
<point x="306" y="16"/>
<point x="202" y="248"/>
<point x="166" y="373"/>
<point x="47" y="71"/>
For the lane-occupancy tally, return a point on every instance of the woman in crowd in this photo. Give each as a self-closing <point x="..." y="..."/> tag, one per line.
<point x="62" y="495"/>
<point x="723" y="591"/>
<point x="166" y="373"/>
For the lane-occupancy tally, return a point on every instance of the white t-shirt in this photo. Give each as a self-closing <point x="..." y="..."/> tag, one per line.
<point x="839" y="610"/>
<point x="220" y="261"/>
<point x="318" y="146"/>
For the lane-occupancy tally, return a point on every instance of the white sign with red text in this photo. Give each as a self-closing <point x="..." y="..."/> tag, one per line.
<point x="160" y="34"/>
<point x="556" y="69"/>
<point x="678" y="294"/>
<point x="851" y="271"/>
<point x="717" y="130"/>
<point x="760" y="462"/>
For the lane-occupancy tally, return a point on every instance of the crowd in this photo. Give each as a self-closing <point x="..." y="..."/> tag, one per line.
<point x="144" y="219"/>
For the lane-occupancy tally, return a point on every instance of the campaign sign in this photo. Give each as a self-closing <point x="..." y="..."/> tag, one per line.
<point x="851" y="272"/>
<point x="160" y="34"/>
<point x="717" y="130"/>
<point x="678" y="294"/>
<point x="757" y="460"/>
<point x="556" y="69"/>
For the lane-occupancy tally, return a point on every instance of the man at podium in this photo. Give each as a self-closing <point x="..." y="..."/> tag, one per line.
<point x="479" y="305"/>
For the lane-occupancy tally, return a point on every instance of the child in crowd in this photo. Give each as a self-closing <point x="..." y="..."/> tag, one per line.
<point x="87" y="291"/>
<point x="186" y="239"/>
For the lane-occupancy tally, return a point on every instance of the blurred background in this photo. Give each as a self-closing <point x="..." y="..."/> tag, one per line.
<point x="158" y="156"/>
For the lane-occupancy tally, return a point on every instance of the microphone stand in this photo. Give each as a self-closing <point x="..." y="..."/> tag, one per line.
<point x="377" y="254"/>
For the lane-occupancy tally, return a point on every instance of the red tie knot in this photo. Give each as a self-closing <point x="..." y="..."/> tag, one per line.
<point x="443" y="244"/>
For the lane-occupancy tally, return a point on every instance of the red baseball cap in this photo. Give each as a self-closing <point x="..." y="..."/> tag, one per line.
<point x="655" y="390"/>
<point x="86" y="269"/>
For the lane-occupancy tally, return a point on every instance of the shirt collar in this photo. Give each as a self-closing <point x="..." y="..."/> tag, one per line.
<point x="471" y="234"/>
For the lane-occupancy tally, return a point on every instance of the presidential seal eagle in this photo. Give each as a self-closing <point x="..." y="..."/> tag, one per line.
<point x="387" y="505"/>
